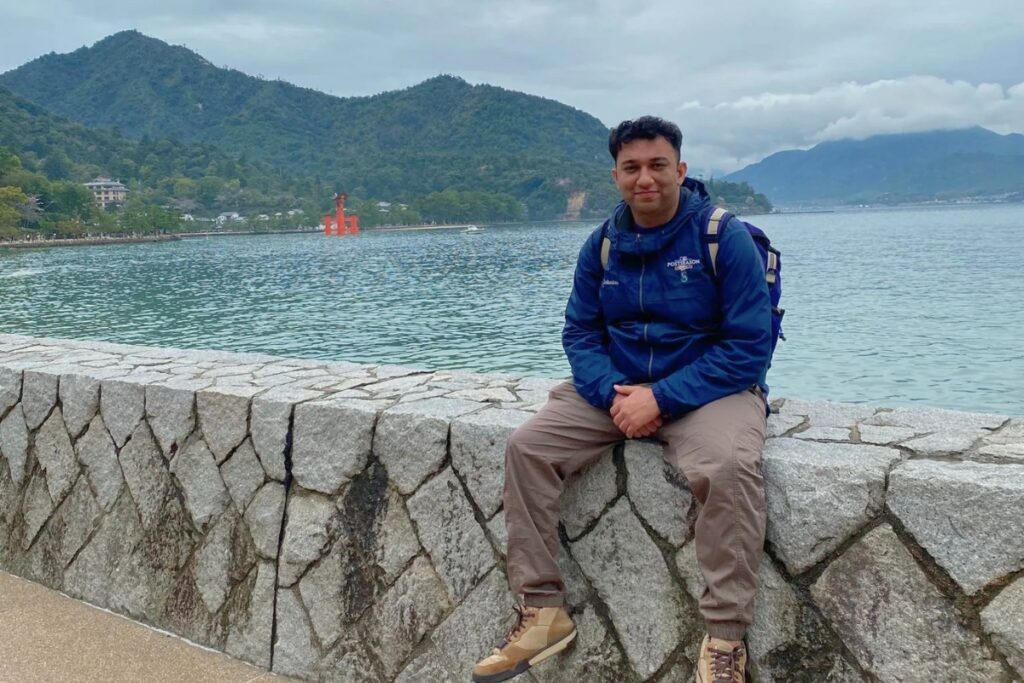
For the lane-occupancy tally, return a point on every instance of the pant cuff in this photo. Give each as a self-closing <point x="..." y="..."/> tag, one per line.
<point x="543" y="600"/>
<point x="727" y="630"/>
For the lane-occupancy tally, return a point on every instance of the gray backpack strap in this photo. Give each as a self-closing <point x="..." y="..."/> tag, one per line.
<point x="713" y="230"/>
<point x="606" y="242"/>
<point x="772" y="267"/>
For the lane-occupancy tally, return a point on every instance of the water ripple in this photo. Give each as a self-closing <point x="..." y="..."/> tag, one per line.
<point x="895" y="307"/>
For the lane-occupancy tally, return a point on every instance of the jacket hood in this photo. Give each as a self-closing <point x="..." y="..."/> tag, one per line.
<point x="626" y="238"/>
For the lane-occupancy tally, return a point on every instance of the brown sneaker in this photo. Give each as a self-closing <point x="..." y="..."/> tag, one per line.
<point x="721" y="663"/>
<point x="537" y="633"/>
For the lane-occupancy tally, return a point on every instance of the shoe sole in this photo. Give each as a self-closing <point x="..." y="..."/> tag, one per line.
<point x="527" y="663"/>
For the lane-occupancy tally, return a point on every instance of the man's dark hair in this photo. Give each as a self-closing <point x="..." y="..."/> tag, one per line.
<point x="644" y="128"/>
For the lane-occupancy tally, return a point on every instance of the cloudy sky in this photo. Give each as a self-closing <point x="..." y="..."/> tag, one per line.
<point x="743" y="78"/>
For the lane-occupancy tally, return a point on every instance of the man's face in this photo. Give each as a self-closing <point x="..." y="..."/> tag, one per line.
<point x="648" y="174"/>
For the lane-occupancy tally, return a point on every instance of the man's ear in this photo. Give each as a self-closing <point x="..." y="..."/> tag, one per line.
<point x="681" y="171"/>
<point x="615" y="174"/>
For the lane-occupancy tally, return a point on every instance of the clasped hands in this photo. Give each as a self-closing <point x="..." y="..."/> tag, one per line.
<point x="635" y="411"/>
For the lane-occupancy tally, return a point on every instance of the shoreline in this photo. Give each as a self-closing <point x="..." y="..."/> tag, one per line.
<point x="171" y="237"/>
<point x="404" y="228"/>
<point x="232" y="233"/>
<point x="86" y="241"/>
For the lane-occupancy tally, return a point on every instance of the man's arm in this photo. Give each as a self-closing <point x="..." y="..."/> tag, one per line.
<point x="585" y="335"/>
<point x="741" y="354"/>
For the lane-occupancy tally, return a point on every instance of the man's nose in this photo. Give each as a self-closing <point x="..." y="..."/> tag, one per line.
<point x="646" y="178"/>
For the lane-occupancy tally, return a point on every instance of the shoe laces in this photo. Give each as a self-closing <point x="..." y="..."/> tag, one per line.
<point x="522" y="613"/>
<point x="724" y="664"/>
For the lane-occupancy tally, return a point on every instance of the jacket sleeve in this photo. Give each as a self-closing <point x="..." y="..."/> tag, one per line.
<point x="585" y="335"/>
<point x="741" y="354"/>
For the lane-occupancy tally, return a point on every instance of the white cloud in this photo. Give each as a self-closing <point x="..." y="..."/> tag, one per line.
<point x="824" y="70"/>
<point x="729" y="135"/>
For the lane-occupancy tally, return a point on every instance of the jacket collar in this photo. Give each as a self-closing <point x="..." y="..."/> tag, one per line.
<point x="626" y="238"/>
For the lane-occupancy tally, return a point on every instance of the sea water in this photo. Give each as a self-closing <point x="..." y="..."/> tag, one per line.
<point x="890" y="307"/>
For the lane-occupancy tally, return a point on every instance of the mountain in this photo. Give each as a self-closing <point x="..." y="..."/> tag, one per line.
<point x="441" y="134"/>
<point x="192" y="175"/>
<point x="944" y="164"/>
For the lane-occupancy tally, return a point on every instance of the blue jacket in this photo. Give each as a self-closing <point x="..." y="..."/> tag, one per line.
<point x="657" y="316"/>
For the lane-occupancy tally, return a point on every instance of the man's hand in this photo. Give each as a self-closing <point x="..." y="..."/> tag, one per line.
<point x="635" y="411"/>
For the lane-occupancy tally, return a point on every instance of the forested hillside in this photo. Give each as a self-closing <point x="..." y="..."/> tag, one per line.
<point x="443" y="134"/>
<point x="186" y="177"/>
<point x="192" y="137"/>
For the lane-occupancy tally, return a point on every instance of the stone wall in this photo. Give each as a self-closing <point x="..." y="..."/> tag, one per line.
<point x="343" y="522"/>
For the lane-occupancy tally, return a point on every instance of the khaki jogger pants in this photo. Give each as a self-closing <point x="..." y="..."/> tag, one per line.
<point x="716" y="447"/>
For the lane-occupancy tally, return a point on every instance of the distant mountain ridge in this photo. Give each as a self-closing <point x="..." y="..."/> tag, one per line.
<point x="442" y="133"/>
<point x="947" y="164"/>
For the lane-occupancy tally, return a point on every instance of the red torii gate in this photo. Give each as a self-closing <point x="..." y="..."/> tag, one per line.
<point x="341" y="224"/>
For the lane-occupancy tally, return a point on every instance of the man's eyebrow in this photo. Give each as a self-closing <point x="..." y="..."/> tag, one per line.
<point x="654" y="160"/>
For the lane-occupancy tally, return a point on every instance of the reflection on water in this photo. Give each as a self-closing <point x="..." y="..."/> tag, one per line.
<point x="893" y="307"/>
<point x="21" y="272"/>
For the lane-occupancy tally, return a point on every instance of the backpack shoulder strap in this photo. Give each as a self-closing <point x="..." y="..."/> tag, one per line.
<point x="717" y="221"/>
<point x="606" y="242"/>
<point x="772" y="267"/>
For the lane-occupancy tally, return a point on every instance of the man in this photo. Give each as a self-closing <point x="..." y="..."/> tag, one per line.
<point x="659" y="346"/>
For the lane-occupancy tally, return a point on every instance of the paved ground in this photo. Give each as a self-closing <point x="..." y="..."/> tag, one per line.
<point x="47" y="636"/>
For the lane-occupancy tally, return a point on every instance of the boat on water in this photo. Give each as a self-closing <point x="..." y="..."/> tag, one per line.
<point x="472" y="230"/>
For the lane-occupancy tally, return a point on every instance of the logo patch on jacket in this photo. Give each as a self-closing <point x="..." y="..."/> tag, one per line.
<point x="683" y="264"/>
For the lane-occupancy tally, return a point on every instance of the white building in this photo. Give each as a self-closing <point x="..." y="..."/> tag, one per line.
<point x="107" y="192"/>
<point x="227" y="216"/>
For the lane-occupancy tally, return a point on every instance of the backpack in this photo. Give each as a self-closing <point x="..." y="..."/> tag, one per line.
<point x="770" y="257"/>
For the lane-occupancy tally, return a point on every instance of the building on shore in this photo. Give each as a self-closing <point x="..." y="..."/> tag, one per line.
<point x="108" y="192"/>
<point x="228" y="217"/>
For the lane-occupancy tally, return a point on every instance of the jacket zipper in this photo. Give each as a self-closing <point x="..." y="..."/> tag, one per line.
<point x="643" y="267"/>
<point x="650" y="361"/>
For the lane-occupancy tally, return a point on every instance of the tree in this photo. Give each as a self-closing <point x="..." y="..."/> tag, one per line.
<point x="208" y="189"/>
<point x="69" y="199"/>
<point x="737" y="197"/>
<point x="30" y="211"/>
<point x="57" y="165"/>
<point x="12" y="206"/>
<point x="8" y="162"/>
<point x="104" y="222"/>
<point x="184" y="188"/>
<point x="68" y="229"/>
<point x="139" y="217"/>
